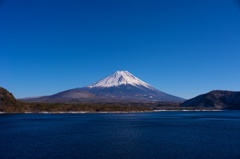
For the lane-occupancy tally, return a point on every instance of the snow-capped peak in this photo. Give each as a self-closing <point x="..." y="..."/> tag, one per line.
<point x="120" y="78"/>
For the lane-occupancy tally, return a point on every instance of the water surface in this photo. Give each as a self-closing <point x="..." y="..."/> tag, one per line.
<point x="183" y="135"/>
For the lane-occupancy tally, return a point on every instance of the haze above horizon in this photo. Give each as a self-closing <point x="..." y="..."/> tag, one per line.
<point x="184" y="48"/>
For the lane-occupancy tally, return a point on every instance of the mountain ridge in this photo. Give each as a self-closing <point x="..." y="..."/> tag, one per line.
<point x="216" y="98"/>
<point x="117" y="87"/>
<point x="6" y="98"/>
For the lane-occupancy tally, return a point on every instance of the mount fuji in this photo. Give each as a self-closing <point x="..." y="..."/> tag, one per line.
<point x="120" y="86"/>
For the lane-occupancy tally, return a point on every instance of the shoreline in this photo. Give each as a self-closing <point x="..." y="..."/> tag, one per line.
<point x="114" y="112"/>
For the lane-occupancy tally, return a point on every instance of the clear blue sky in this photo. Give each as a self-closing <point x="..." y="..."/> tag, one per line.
<point x="182" y="47"/>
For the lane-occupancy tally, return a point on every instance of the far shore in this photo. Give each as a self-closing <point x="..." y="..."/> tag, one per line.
<point x="112" y="112"/>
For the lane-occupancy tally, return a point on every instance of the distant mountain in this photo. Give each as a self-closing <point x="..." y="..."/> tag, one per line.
<point x="120" y="86"/>
<point x="6" y="98"/>
<point x="120" y="78"/>
<point x="216" y="99"/>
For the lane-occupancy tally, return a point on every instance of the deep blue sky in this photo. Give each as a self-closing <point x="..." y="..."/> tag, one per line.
<point x="184" y="48"/>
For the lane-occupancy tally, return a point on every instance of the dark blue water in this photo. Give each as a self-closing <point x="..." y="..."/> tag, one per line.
<point x="183" y="135"/>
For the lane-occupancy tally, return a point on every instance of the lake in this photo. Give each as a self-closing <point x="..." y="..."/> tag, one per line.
<point x="180" y="135"/>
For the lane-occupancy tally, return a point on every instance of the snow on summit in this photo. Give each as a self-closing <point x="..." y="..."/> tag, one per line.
<point x="120" y="78"/>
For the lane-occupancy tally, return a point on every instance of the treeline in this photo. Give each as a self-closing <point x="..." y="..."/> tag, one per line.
<point x="86" y="107"/>
<point x="22" y="107"/>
